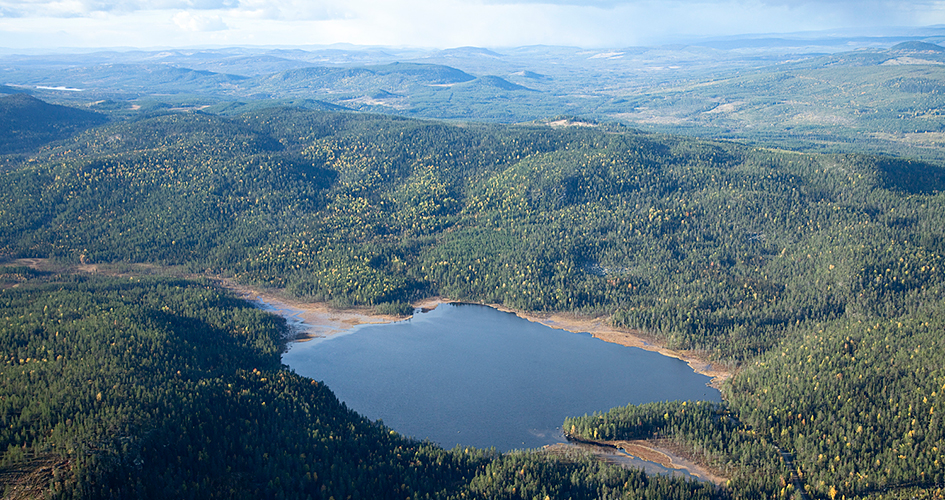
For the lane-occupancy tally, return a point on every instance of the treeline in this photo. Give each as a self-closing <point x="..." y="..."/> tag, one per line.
<point x="162" y="388"/>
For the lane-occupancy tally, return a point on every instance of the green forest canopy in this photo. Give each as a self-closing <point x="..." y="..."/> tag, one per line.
<point x="819" y="275"/>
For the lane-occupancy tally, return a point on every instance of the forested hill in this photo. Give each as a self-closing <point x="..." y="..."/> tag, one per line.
<point x="27" y="122"/>
<point x="820" y="275"/>
<point x="708" y="245"/>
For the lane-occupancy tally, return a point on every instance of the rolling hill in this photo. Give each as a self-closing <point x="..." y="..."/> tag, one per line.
<point x="27" y="123"/>
<point x="818" y="277"/>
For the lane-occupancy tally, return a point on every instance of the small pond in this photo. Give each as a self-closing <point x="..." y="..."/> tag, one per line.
<point x="472" y="375"/>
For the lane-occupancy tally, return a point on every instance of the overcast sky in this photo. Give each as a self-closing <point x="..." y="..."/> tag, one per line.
<point x="432" y="23"/>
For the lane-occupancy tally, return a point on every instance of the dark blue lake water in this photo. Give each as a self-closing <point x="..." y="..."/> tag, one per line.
<point x="472" y="375"/>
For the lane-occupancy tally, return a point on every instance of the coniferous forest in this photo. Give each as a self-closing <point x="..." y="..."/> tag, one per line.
<point x="818" y="279"/>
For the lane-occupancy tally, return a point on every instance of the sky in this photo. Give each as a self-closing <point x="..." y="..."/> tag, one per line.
<point x="48" y="24"/>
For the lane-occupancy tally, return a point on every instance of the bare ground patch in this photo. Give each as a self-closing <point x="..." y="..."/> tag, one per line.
<point x="34" y="477"/>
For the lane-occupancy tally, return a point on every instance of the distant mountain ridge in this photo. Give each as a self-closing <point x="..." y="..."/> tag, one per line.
<point x="824" y="91"/>
<point x="497" y="82"/>
<point x="918" y="47"/>
<point x="361" y="80"/>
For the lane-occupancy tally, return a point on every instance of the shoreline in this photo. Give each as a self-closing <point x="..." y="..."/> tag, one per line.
<point x="322" y="320"/>
<point x="598" y="329"/>
<point x="314" y="319"/>
<point x="657" y="451"/>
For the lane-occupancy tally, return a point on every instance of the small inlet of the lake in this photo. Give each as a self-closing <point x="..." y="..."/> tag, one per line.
<point x="475" y="376"/>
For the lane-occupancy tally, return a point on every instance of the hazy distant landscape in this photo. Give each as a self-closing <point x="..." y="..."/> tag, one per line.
<point x="773" y="205"/>
<point x="817" y="92"/>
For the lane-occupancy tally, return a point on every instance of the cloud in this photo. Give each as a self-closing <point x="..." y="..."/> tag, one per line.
<point x="439" y="23"/>
<point x="293" y="10"/>
<point x="188" y="21"/>
<point x="746" y="16"/>
<point x="575" y="3"/>
<point x="267" y="9"/>
<point x="81" y="8"/>
<point x="780" y="3"/>
<point x="855" y="12"/>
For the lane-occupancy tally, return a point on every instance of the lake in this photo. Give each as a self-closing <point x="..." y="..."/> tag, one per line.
<point x="476" y="376"/>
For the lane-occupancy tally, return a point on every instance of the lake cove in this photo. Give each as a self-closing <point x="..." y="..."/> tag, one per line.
<point x="472" y="375"/>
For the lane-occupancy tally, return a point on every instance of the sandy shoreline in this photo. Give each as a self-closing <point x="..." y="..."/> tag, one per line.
<point x="654" y="450"/>
<point x="313" y="319"/>
<point x="316" y="319"/>
<point x="598" y="328"/>
<point x="659" y="452"/>
<point x="321" y="320"/>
